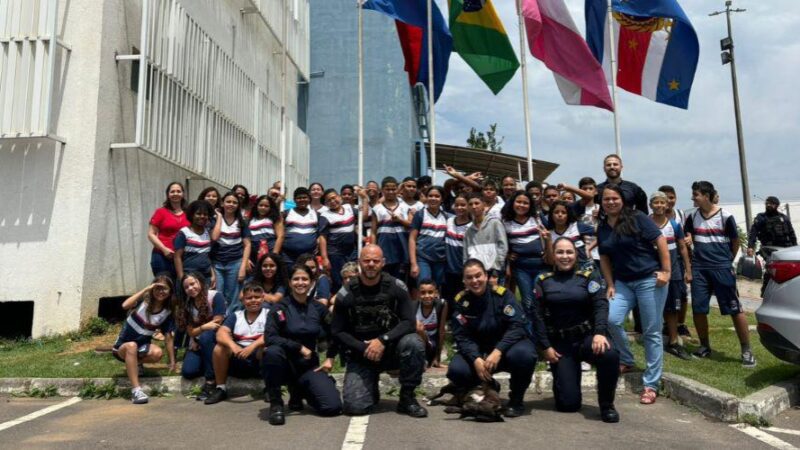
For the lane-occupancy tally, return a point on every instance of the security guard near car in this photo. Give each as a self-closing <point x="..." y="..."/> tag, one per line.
<point x="773" y="229"/>
<point x="570" y="317"/>
<point x="375" y="325"/>
<point x="491" y="334"/>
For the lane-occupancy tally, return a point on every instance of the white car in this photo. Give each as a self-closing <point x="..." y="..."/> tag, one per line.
<point x="779" y="315"/>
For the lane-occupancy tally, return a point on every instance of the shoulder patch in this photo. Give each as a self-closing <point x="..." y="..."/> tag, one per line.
<point x="593" y="287"/>
<point x="281" y="315"/>
<point x="509" y="311"/>
<point x="499" y="289"/>
<point x="460" y="295"/>
<point x="585" y="273"/>
<point x="545" y="275"/>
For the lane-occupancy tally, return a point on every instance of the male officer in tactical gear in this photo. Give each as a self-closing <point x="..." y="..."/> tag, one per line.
<point x="376" y="327"/>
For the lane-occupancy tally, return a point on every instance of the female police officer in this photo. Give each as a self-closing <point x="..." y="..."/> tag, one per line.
<point x="490" y="331"/>
<point x="293" y="327"/>
<point x="570" y="317"/>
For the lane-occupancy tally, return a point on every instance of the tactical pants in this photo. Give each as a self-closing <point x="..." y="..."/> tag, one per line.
<point x="361" y="392"/>
<point x="519" y="361"/>
<point x="567" y="373"/>
<point x="317" y="388"/>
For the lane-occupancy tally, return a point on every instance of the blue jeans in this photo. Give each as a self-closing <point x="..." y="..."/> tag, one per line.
<point x="431" y="270"/>
<point x="650" y="299"/>
<point x="160" y="264"/>
<point x="200" y="362"/>
<point x="525" y="270"/>
<point x="228" y="283"/>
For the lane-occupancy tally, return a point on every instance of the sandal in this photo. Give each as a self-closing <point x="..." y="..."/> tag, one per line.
<point x="648" y="396"/>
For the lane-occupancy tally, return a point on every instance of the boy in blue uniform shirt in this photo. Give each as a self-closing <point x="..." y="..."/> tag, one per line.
<point x="716" y="242"/>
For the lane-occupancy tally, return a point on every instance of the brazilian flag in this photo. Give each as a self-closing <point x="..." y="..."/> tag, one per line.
<point x="481" y="40"/>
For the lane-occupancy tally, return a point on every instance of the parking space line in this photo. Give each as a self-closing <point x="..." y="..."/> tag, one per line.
<point x="782" y="431"/>
<point x="356" y="433"/>
<point x="39" y="413"/>
<point x="768" y="439"/>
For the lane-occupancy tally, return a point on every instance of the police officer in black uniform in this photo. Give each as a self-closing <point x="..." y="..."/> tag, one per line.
<point x="491" y="334"/>
<point x="773" y="229"/>
<point x="570" y="316"/>
<point x="293" y="326"/>
<point x="375" y="325"/>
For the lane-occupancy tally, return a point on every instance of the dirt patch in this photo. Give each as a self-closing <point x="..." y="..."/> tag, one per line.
<point x="749" y="288"/>
<point x="86" y="345"/>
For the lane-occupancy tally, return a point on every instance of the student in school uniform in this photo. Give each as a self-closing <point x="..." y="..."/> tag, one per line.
<point x="426" y="242"/>
<point x="431" y="313"/>
<point x="301" y="228"/>
<point x="230" y="252"/>
<point x="193" y="243"/>
<point x="457" y="225"/>
<point x="389" y="222"/>
<point x="240" y="342"/>
<point x="338" y="233"/>
<point x="266" y="229"/>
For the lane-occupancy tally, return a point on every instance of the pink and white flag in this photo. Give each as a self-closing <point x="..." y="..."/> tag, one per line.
<point x="555" y="40"/>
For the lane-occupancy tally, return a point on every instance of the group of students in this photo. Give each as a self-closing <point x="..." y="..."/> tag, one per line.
<point x="247" y="285"/>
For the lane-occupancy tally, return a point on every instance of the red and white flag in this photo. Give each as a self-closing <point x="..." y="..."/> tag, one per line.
<point x="554" y="39"/>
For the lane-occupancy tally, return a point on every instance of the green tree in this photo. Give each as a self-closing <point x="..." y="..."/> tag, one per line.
<point x="487" y="140"/>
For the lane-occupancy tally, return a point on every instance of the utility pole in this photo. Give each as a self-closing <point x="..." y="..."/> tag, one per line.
<point x="726" y="45"/>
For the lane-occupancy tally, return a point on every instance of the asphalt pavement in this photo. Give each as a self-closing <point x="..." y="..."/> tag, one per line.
<point x="178" y="422"/>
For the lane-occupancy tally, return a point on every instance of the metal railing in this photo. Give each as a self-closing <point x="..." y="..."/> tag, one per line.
<point x="206" y="112"/>
<point x="28" y="68"/>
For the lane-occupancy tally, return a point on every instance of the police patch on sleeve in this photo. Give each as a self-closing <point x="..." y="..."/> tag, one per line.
<point x="593" y="287"/>
<point x="461" y="319"/>
<point x="509" y="311"/>
<point x="281" y="316"/>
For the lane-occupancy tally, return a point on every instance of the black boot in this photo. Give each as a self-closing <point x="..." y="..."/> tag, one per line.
<point x="609" y="414"/>
<point x="408" y="404"/>
<point x="515" y="406"/>
<point x="295" y="398"/>
<point x="276" y="413"/>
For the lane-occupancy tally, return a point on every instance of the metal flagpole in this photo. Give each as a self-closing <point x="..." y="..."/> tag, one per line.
<point x="525" y="107"/>
<point x="360" y="118"/>
<point x="613" y="54"/>
<point x="284" y="131"/>
<point x="431" y="92"/>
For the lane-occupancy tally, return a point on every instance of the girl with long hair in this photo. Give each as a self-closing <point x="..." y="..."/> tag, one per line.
<point x="270" y="273"/>
<point x="266" y="229"/>
<point x="165" y="224"/>
<point x="193" y="243"/>
<point x="527" y="242"/>
<point x="231" y="250"/>
<point x="564" y="223"/>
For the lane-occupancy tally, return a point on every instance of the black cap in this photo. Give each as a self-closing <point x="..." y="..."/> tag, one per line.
<point x="774" y="200"/>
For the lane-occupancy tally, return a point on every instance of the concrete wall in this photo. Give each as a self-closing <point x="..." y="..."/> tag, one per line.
<point x="73" y="219"/>
<point x="333" y="99"/>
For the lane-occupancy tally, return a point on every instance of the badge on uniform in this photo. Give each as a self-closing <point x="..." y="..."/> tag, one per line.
<point x="466" y="303"/>
<point x="593" y="287"/>
<point x="509" y="311"/>
<point x="281" y="316"/>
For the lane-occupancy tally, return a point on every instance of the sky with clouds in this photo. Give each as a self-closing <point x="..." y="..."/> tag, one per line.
<point x="660" y="144"/>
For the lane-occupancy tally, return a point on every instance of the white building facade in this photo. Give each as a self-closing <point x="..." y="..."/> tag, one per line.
<point x="102" y="104"/>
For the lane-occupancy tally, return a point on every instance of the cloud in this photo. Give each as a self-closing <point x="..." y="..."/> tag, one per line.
<point x="661" y="144"/>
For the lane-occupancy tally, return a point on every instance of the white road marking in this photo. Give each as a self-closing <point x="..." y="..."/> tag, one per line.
<point x="356" y="433"/>
<point x="39" y="413"/>
<point x="782" y="431"/>
<point x="768" y="439"/>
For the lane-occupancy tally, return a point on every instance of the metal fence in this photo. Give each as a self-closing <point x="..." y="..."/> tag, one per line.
<point x="28" y="67"/>
<point x="203" y="110"/>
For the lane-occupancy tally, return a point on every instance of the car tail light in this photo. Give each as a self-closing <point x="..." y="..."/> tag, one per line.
<point x="764" y="327"/>
<point x="782" y="271"/>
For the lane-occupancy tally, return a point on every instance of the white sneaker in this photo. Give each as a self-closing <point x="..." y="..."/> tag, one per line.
<point x="138" y="397"/>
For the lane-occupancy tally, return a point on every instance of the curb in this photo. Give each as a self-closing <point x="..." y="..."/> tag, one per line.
<point x="431" y="383"/>
<point x="711" y="402"/>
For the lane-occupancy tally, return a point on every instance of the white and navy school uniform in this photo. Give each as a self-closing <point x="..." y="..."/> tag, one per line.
<point x="712" y="264"/>
<point x="392" y="237"/>
<point x="226" y="254"/>
<point x="339" y="230"/>
<point x="496" y="211"/>
<point x="431" y="326"/>
<point x="139" y="328"/>
<point x="245" y="333"/>
<point x="431" y="246"/>
<point x="200" y="361"/>
<point x="577" y="232"/>
<point x="454" y="249"/>
<point x="300" y="235"/>
<point x="261" y="230"/>
<point x="525" y="241"/>
<point x="196" y="251"/>
<point x="673" y="232"/>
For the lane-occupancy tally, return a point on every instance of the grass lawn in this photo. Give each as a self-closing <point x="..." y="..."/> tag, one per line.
<point x="724" y="370"/>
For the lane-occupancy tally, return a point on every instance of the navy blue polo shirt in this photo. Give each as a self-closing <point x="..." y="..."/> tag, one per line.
<point x="632" y="257"/>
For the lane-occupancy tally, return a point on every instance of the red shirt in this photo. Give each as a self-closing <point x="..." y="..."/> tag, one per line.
<point x="168" y="224"/>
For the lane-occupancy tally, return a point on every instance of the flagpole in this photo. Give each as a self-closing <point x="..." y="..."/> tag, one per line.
<point x="360" y="118"/>
<point x="431" y="94"/>
<point x="525" y="106"/>
<point x="283" y="107"/>
<point x="613" y="54"/>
